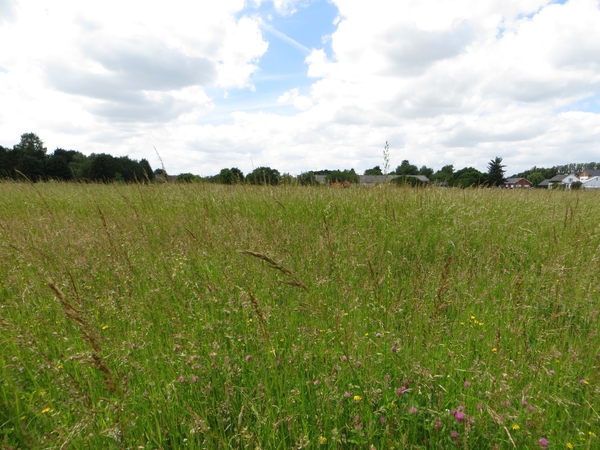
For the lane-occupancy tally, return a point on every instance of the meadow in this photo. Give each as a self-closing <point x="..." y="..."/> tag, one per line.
<point x="208" y="316"/>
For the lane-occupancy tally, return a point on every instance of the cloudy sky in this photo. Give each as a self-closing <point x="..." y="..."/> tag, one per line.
<point x="305" y="84"/>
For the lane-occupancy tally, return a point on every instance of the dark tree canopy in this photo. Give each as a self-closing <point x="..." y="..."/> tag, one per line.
<point x="29" y="158"/>
<point x="264" y="175"/>
<point x="444" y="175"/>
<point x="374" y="171"/>
<point x="307" y="179"/>
<point x="468" y="177"/>
<point x="406" y="168"/>
<point x="230" y="176"/>
<point x="496" y="172"/>
<point x="427" y="171"/>
<point x="341" y="176"/>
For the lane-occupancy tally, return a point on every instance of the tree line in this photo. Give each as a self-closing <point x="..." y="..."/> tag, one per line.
<point x="29" y="158"/>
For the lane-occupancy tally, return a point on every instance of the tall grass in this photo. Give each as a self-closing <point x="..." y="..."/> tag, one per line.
<point x="204" y="316"/>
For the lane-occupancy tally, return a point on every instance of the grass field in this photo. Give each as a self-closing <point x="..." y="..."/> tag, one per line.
<point x="204" y="316"/>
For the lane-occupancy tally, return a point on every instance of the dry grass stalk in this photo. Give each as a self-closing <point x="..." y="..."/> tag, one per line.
<point x="88" y="335"/>
<point x="440" y="303"/>
<point x="294" y="281"/>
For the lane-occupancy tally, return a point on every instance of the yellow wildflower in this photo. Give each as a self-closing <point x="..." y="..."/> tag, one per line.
<point x="105" y="327"/>
<point x="322" y="439"/>
<point x="569" y="445"/>
<point x="515" y="427"/>
<point x="45" y="410"/>
<point x="494" y="349"/>
<point x="357" y="398"/>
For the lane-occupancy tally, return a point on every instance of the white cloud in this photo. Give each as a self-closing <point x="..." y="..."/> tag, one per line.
<point x="293" y="97"/>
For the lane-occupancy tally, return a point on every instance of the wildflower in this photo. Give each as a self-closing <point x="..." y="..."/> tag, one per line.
<point x="133" y="345"/>
<point x="413" y="410"/>
<point x="460" y="416"/>
<point x="105" y="327"/>
<point x="531" y="409"/>
<point x="358" y="364"/>
<point x="515" y="427"/>
<point x="543" y="442"/>
<point x="524" y="403"/>
<point x="454" y="434"/>
<point x="322" y="439"/>
<point x="569" y="445"/>
<point x="194" y="378"/>
<point x="400" y="390"/>
<point x="382" y="420"/>
<point x="357" y="398"/>
<point x="551" y="372"/>
<point x="145" y="394"/>
<point x="248" y="357"/>
<point x="507" y="403"/>
<point x="315" y="382"/>
<point x="181" y="379"/>
<point x="378" y="335"/>
<point x="592" y="434"/>
<point x="45" y="410"/>
<point x="344" y="358"/>
<point x="394" y="349"/>
<point x="467" y="384"/>
<point x="480" y="407"/>
<point x="438" y="424"/>
<point x="347" y="394"/>
<point x="583" y="382"/>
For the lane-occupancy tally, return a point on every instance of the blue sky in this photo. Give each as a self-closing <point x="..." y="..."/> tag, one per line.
<point x="283" y="66"/>
<point x="223" y="84"/>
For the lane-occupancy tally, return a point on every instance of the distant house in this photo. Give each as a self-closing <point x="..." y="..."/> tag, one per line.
<point x="372" y="180"/>
<point x="587" y="174"/>
<point x="591" y="183"/>
<point x="563" y="180"/>
<point x="544" y="184"/>
<point x="518" y="183"/>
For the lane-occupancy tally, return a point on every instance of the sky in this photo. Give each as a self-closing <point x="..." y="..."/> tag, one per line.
<point x="303" y="85"/>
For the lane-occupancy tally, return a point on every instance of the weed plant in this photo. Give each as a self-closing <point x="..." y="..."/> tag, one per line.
<point x="203" y="316"/>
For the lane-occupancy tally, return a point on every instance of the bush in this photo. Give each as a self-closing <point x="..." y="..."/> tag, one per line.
<point x="264" y="175"/>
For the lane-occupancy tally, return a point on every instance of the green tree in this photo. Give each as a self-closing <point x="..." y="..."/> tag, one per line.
<point x="30" y="155"/>
<point x="406" y="168"/>
<point x="264" y="175"/>
<point x="444" y="175"/>
<point x="307" y="179"/>
<point x="535" y="178"/>
<point x="31" y="145"/>
<point x="103" y="167"/>
<point x="374" y="171"/>
<point x="427" y="171"/>
<point x="339" y="176"/>
<point x="496" y="172"/>
<point x="230" y="176"/>
<point x="468" y="177"/>
<point x="188" y="178"/>
<point x="57" y="167"/>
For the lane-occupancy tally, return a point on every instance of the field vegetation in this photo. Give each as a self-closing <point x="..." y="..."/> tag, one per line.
<point x="215" y="316"/>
